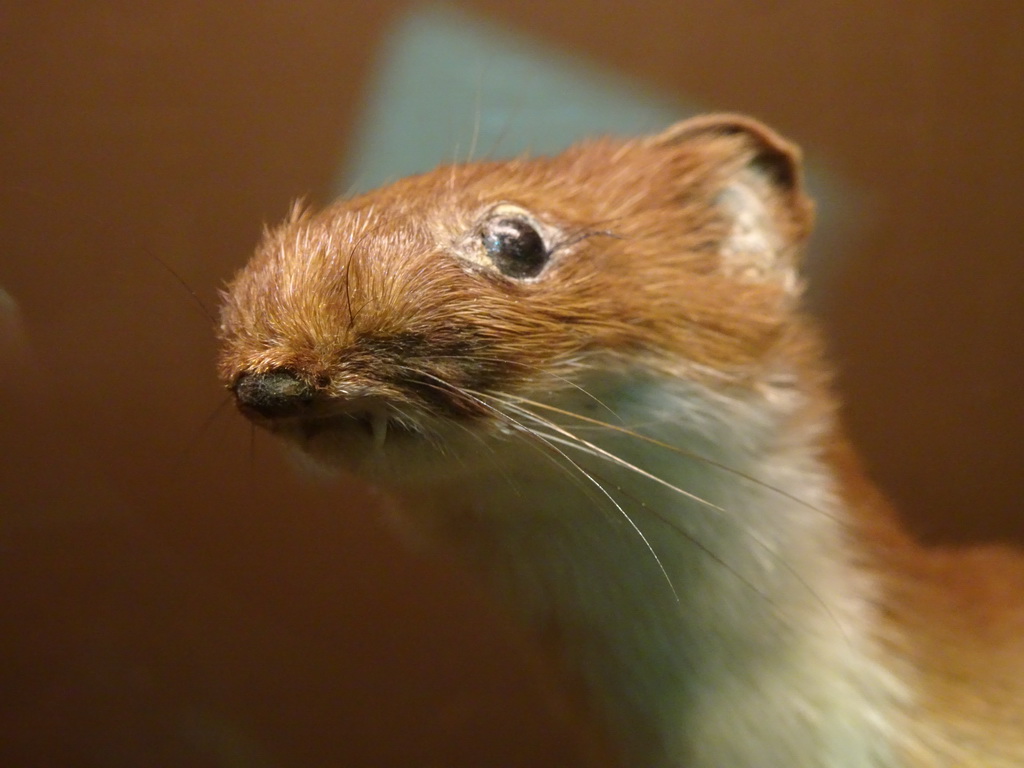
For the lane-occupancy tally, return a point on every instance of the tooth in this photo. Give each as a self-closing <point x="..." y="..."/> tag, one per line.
<point x="379" y="428"/>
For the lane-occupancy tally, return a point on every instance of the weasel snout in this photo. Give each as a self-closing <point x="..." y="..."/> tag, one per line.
<point x="275" y="394"/>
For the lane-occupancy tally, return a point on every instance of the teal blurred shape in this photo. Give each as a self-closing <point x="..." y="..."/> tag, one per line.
<point x="449" y="87"/>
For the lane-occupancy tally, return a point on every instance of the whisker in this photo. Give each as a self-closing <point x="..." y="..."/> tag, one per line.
<point x="476" y="117"/>
<point x="623" y="463"/>
<point x="568" y="439"/>
<point x="188" y="449"/>
<point x="717" y="558"/>
<point x="574" y="441"/>
<point x="516" y="109"/>
<point x="357" y="249"/>
<point x="619" y="507"/>
<point x="445" y="386"/>
<point x="539" y="369"/>
<point x="582" y="235"/>
<point x="437" y="443"/>
<point x="681" y="452"/>
<point x="195" y="296"/>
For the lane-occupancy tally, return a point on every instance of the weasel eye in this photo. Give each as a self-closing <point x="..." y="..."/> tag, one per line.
<point x="515" y="247"/>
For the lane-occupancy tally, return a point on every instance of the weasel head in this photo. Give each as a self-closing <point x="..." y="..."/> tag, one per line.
<point x="420" y="312"/>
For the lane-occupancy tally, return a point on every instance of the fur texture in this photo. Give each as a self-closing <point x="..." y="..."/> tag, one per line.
<point x="637" y="449"/>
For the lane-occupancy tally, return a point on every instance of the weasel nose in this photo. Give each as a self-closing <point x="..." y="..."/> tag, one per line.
<point x="273" y="394"/>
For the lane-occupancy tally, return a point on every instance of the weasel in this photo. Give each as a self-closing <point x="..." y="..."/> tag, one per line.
<point x="589" y="377"/>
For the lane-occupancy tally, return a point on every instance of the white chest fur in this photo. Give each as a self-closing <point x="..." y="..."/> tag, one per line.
<point x="714" y="614"/>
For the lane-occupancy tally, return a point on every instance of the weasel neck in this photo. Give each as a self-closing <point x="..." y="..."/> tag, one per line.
<point x="698" y="581"/>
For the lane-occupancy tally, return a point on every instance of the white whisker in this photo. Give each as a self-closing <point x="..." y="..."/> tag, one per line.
<point x="598" y="424"/>
<point x="523" y="429"/>
<point x="574" y="441"/>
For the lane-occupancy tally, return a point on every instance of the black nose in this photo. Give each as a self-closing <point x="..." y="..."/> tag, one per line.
<point x="273" y="394"/>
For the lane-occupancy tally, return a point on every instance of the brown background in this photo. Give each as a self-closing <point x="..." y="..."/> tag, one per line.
<point x="171" y="595"/>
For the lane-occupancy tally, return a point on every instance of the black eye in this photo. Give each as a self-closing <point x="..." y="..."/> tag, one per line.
<point x="515" y="247"/>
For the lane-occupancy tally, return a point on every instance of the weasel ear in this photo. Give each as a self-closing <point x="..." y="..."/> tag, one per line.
<point x="756" y="182"/>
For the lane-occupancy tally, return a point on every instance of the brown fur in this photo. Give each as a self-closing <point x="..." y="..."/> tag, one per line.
<point x="956" y="618"/>
<point x="297" y="306"/>
<point x="644" y="282"/>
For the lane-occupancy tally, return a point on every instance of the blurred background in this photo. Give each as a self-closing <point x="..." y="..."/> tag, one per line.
<point x="170" y="593"/>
